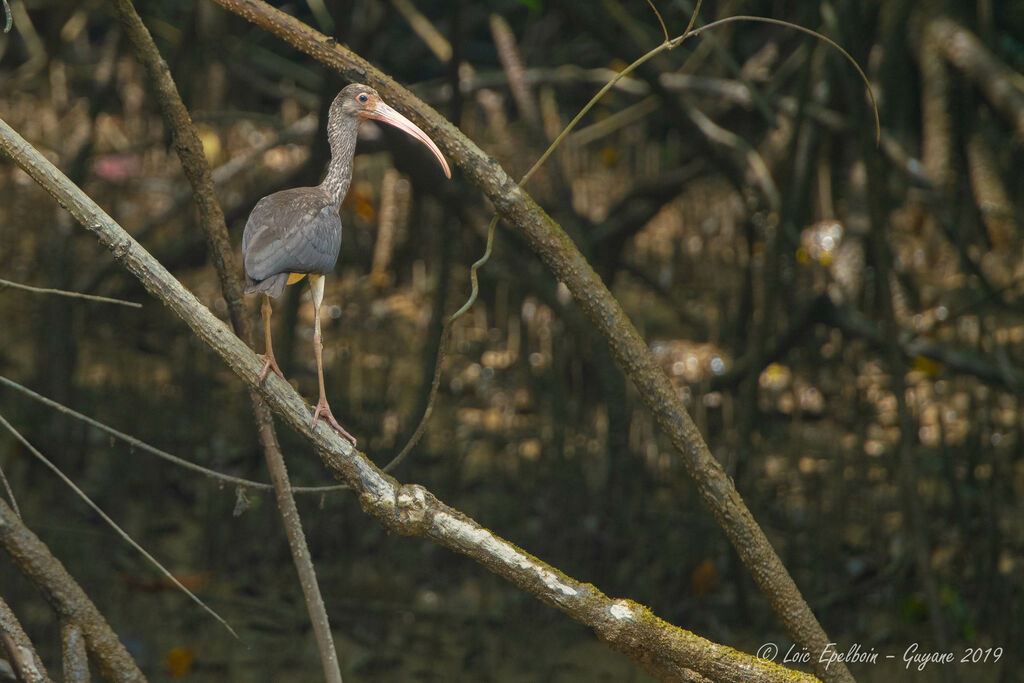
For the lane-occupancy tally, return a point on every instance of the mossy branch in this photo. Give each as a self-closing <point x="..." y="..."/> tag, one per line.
<point x="515" y="206"/>
<point x="662" y="648"/>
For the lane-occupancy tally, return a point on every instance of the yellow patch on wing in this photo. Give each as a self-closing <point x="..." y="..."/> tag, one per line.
<point x="295" y="277"/>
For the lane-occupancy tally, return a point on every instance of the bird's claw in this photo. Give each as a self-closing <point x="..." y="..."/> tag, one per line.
<point x="269" y="363"/>
<point x="322" y="409"/>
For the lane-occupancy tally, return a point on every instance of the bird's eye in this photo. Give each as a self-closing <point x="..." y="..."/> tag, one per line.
<point x="363" y="98"/>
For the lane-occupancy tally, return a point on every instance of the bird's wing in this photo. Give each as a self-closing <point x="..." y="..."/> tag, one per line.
<point x="294" y="231"/>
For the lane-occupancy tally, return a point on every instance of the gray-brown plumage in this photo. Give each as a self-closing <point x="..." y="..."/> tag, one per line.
<point x="291" y="231"/>
<point x="296" y="233"/>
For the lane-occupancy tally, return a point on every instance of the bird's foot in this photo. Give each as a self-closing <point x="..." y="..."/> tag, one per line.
<point x="324" y="410"/>
<point x="269" y="363"/>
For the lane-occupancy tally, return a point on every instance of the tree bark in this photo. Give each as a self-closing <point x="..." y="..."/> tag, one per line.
<point x="631" y="628"/>
<point x="630" y="351"/>
<point x="66" y="597"/>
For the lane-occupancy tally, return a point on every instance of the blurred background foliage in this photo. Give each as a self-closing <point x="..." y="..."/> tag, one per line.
<point x="845" y="321"/>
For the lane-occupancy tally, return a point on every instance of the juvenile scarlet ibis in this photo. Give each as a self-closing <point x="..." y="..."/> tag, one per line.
<point x="296" y="233"/>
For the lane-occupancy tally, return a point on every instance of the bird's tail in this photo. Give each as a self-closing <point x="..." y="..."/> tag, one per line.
<point x="273" y="286"/>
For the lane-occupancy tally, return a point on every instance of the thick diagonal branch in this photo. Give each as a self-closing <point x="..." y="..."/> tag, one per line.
<point x="624" y="625"/>
<point x="564" y="259"/>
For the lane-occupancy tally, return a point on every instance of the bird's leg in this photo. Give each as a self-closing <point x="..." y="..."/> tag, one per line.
<point x="316" y="288"/>
<point x="270" y="363"/>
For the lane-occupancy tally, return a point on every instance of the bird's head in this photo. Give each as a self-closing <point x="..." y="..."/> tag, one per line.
<point x="362" y="102"/>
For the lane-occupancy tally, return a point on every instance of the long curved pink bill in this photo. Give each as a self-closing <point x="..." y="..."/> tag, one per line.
<point x="382" y="112"/>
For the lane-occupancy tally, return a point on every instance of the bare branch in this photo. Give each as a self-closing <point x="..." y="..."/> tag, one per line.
<point x="564" y="259"/>
<point x="661" y="21"/>
<point x="61" y="292"/>
<point x="66" y="597"/>
<point x="409" y="509"/>
<point x="20" y="651"/>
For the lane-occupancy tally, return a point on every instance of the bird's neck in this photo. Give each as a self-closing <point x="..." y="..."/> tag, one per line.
<point x="342" y="134"/>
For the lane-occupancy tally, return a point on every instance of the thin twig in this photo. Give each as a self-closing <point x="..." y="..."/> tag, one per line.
<point x="62" y="292"/>
<point x="661" y="21"/>
<point x="473" y="272"/>
<point x="10" y="492"/>
<point x="143" y="446"/>
<point x="113" y="525"/>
